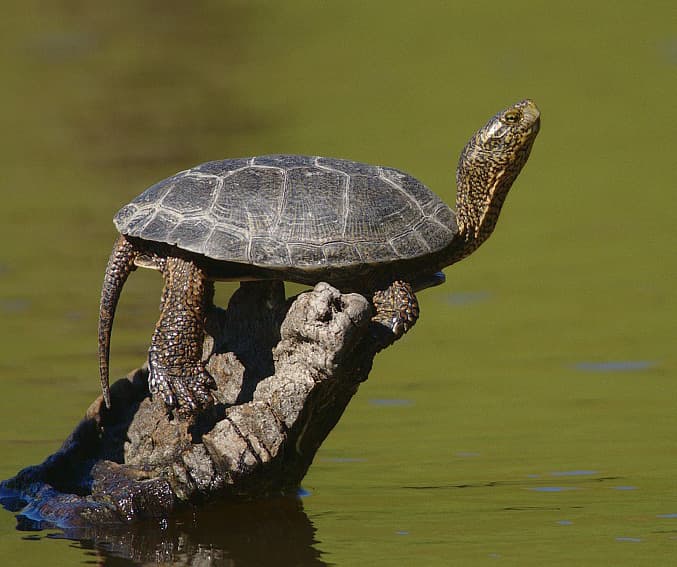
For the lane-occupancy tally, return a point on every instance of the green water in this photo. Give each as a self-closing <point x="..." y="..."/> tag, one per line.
<point x="529" y="418"/>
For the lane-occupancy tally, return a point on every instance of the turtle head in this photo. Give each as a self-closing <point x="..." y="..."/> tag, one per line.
<point x="488" y="166"/>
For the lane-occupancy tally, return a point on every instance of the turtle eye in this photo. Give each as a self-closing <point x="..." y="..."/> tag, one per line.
<point x="512" y="117"/>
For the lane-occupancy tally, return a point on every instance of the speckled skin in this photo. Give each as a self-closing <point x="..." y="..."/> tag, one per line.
<point x="364" y="228"/>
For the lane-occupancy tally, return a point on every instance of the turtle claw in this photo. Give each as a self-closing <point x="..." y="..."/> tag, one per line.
<point x="188" y="392"/>
<point x="396" y="312"/>
<point x="199" y="385"/>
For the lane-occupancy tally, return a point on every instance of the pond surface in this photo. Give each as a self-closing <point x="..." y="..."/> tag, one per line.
<point x="528" y="419"/>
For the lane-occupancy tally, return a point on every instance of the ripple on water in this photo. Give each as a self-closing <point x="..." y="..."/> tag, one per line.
<point x="666" y="516"/>
<point x="668" y="50"/>
<point x="615" y="365"/>
<point x="629" y="539"/>
<point x="16" y="305"/>
<point x="573" y="473"/>
<point x="552" y="488"/>
<point x="63" y="46"/>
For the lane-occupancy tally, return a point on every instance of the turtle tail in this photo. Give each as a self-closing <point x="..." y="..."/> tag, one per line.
<point x="120" y="265"/>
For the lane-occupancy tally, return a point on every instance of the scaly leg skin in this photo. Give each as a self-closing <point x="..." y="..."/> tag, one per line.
<point x="177" y="373"/>
<point x="396" y="312"/>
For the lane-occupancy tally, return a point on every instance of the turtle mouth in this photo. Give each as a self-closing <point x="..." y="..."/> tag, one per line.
<point x="531" y="114"/>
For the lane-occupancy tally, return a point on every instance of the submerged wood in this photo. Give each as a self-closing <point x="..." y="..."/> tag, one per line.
<point x="285" y="372"/>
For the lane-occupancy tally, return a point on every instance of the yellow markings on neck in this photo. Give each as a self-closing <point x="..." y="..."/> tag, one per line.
<point x="488" y="204"/>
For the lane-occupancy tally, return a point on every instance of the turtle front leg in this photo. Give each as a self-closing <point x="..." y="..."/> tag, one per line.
<point x="177" y="373"/>
<point x="396" y="312"/>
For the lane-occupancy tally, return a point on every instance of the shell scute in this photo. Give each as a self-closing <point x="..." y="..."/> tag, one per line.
<point x="306" y="255"/>
<point x="249" y="200"/>
<point x="409" y="244"/>
<point x="372" y="252"/>
<point x="270" y="252"/>
<point x="192" y="196"/>
<point x="411" y="187"/>
<point x="377" y="212"/>
<point x="224" y="243"/>
<point x="159" y="226"/>
<point x="341" y="253"/>
<point x="126" y="214"/>
<point x="434" y="234"/>
<point x="191" y="234"/>
<point x="312" y="209"/>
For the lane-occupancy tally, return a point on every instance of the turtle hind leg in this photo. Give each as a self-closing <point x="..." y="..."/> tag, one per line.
<point x="396" y="312"/>
<point x="177" y="373"/>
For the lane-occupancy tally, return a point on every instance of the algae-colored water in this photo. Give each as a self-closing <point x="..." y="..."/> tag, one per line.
<point x="529" y="418"/>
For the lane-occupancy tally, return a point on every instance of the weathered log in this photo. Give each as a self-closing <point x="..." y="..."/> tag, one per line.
<point x="285" y="372"/>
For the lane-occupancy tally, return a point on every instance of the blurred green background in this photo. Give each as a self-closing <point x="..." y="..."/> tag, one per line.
<point x="541" y="377"/>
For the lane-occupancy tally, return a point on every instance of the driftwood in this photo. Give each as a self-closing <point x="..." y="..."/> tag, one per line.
<point x="285" y="372"/>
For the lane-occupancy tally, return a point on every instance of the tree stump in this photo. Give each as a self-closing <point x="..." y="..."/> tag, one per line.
<point x="285" y="371"/>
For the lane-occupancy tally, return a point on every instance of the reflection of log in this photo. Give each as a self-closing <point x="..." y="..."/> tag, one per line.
<point x="284" y="377"/>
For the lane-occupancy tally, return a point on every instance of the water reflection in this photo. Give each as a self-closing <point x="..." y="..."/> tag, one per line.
<point x="139" y="89"/>
<point x="275" y="531"/>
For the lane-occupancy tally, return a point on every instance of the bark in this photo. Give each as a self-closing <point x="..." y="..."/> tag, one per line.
<point x="285" y="372"/>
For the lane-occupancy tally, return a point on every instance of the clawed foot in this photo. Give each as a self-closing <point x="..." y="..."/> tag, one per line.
<point x="187" y="390"/>
<point x="396" y="311"/>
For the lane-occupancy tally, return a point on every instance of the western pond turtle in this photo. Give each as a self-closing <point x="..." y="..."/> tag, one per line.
<point x="364" y="228"/>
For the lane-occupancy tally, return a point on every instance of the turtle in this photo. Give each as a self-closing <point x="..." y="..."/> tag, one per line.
<point x="361" y="228"/>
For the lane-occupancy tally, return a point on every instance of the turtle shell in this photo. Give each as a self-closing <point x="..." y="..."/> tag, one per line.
<point x="292" y="211"/>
